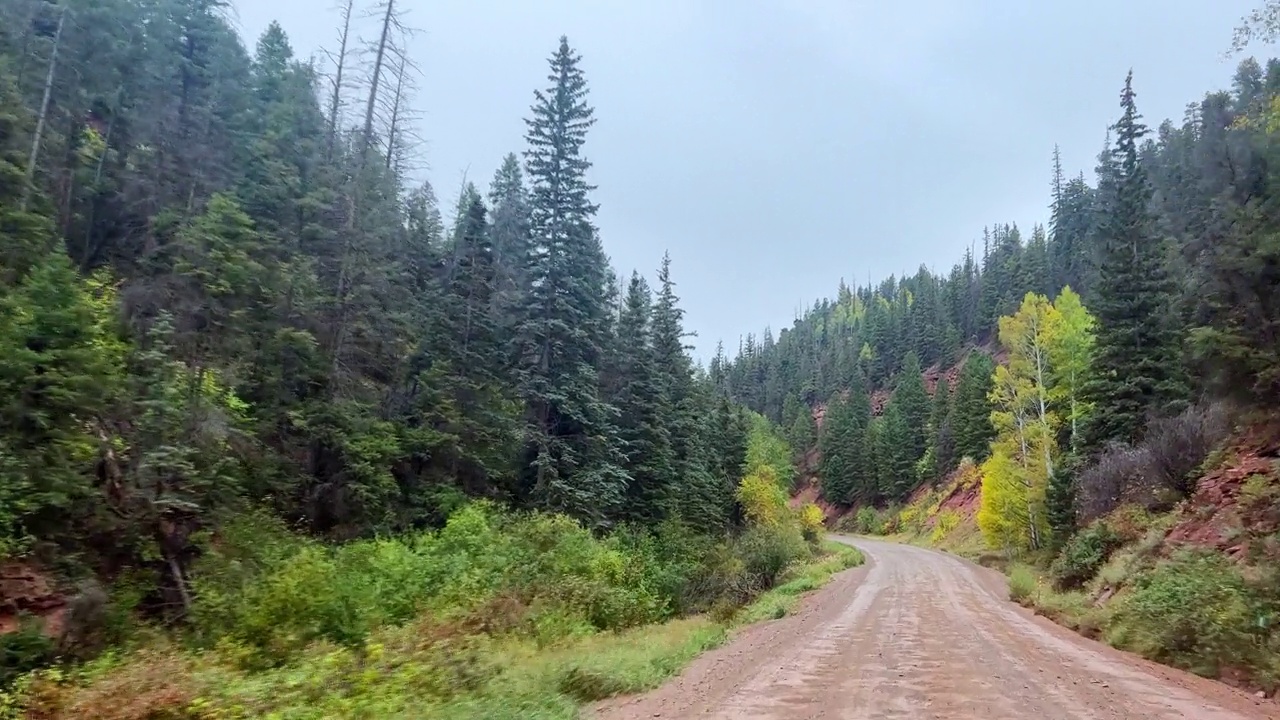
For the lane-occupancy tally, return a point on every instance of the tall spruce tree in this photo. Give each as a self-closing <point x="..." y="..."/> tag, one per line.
<point x="510" y="232"/>
<point x="942" y="436"/>
<point x="912" y="399"/>
<point x="1139" y="365"/>
<point x="894" y="464"/>
<point x="695" y="498"/>
<point x="836" y="445"/>
<point x="971" y="408"/>
<point x="643" y="409"/>
<point x="572" y="451"/>
<point x="864" y="484"/>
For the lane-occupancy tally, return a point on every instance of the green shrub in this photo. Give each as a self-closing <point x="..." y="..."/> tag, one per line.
<point x="263" y="589"/>
<point x="1083" y="555"/>
<point x="868" y="521"/>
<point x="1022" y="584"/>
<point x="768" y="551"/>
<point x="23" y="650"/>
<point x="1194" y="611"/>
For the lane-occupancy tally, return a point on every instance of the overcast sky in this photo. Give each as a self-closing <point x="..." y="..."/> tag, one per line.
<point x="775" y="147"/>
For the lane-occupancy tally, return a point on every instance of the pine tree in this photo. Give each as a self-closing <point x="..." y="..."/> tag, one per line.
<point x="1138" y="351"/>
<point x="1070" y="262"/>
<point x="837" y="440"/>
<point x="912" y="399"/>
<point x="510" y="232"/>
<point x="61" y="360"/>
<point x="942" y="436"/>
<point x="728" y="441"/>
<point x="894" y="465"/>
<point x="694" y="499"/>
<point x="864" y="483"/>
<point x="971" y="408"/>
<point x="572" y="455"/>
<point x="644" y="411"/>
<point x="1035" y="264"/>
<point x="26" y="233"/>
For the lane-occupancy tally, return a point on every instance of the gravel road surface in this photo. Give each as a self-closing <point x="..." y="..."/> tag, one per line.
<point x="914" y="635"/>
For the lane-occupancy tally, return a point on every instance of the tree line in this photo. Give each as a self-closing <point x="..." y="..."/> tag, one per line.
<point x="1152" y="292"/>
<point x="220" y="289"/>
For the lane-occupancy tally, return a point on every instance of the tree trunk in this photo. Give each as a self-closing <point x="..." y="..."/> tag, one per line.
<point x="335" y="101"/>
<point x="44" y="111"/>
<point x="367" y="138"/>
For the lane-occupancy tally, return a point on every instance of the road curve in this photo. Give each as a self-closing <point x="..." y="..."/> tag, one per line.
<point x="918" y="635"/>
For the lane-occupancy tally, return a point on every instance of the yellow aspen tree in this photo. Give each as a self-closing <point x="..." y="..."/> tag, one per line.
<point x="1070" y="361"/>
<point x="1024" y="452"/>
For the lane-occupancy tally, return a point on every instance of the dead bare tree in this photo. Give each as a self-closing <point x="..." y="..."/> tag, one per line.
<point x="339" y="61"/>
<point x="42" y="118"/>
<point x="389" y="21"/>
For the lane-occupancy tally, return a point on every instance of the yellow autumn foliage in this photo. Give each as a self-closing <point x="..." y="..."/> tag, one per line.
<point x="762" y="499"/>
<point x="811" y="519"/>
<point x="1049" y="350"/>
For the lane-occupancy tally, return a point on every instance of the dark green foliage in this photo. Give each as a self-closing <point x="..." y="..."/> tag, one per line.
<point x="1060" y="502"/>
<point x="971" y="408"/>
<point x="1070" y="259"/>
<point x="1083" y="555"/>
<point x="572" y="454"/>
<point x="891" y="448"/>
<point x="839" y="435"/>
<point x="216" y="296"/>
<point x="60" y="368"/>
<point x="1139" y="370"/>
<point x="911" y="398"/>
<point x="24" y="649"/>
<point x="802" y="429"/>
<point x="644" y="412"/>
<point x="848" y="463"/>
<point x="1226" y="629"/>
<point x="942" y="440"/>
<point x="1236" y="342"/>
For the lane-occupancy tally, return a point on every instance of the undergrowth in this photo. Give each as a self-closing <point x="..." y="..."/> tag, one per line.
<point x="1194" y="609"/>
<point x="494" y="616"/>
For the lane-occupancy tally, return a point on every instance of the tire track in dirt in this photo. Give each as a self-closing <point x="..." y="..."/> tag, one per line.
<point x="917" y="635"/>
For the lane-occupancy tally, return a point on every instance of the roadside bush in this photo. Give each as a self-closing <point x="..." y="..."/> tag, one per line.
<point x="1104" y="484"/>
<point x="545" y="575"/>
<point x="1159" y="471"/>
<point x="281" y="602"/>
<point x="762" y="498"/>
<point x="1022" y="584"/>
<point x="767" y="552"/>
<point x="1178" y="446"/>
<point x="1083" y="555"/>
<point x="811" y="518"/>
<point x="945" y="522"/>
<point x="1195" y="612"/>
<point x="867" y="521"/>
<point x="23" y="650"/>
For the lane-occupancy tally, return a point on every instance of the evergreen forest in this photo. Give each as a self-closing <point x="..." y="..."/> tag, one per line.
<point x="285" y="434"/>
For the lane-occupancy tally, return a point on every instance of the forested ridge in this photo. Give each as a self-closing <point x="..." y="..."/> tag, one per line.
<point x="1150" y="290"/>
<point x="285" y="437"/>
<point x="220" y="288"/>
<point x="1090" y="404"/>
<point x="262" y="390"/>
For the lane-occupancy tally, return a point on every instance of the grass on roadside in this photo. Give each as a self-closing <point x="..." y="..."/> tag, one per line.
<point x="422" y="669"/>
<point x="778" y="602"/>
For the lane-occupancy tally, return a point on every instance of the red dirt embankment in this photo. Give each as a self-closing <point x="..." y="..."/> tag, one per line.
<point x="1239" y="502"/>
<point x="24" y="590"/>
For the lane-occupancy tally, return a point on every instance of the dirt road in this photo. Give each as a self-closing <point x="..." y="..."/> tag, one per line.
<point x="921" y="635"/>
